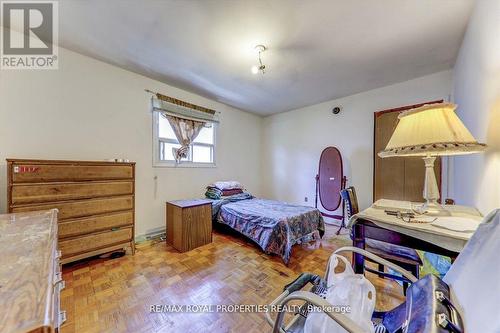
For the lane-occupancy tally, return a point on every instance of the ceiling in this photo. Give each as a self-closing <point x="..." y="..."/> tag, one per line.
<point x="318" y="50"/>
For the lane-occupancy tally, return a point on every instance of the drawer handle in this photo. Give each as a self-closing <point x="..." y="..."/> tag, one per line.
<point x="62" y="318"/>
<point x="62" y="284"/>
<point x="60" y="281"/>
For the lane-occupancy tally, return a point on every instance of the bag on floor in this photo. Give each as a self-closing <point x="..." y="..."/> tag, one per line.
<point x="346" y="290"/>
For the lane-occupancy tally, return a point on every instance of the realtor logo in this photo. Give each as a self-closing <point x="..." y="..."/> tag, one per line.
<point x="29" y="35"/>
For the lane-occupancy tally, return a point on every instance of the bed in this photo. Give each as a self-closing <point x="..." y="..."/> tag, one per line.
<point x="275" y="226"/>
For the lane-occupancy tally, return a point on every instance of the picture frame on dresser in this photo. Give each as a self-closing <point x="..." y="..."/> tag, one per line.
<point x="95" y="199"/>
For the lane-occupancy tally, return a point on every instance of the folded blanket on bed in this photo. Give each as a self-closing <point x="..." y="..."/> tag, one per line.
<point x="226" y="193"/>
<point x="216" y="194"/>
<point x="227" y="185"/>
<point x="213" y="193"/>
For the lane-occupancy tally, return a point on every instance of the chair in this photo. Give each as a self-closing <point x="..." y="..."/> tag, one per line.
<point x="399" y="255"/>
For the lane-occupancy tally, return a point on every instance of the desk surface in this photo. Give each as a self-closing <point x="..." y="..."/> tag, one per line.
<point x="446" y="238"/>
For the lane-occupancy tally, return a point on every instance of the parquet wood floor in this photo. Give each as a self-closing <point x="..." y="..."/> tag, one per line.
<point x="115" y="295"/>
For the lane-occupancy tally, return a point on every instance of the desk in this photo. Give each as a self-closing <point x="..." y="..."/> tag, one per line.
<point x="374" y="223"/>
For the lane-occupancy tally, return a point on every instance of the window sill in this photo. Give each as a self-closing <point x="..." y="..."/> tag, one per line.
<point x="183" y="165"/>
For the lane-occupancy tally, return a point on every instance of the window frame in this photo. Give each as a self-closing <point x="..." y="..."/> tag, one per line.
<point x="157" y="162"/>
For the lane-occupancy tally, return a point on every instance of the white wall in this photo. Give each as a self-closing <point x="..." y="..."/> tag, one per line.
<point x="90" y="110"/>
<point x="477" y="93"/>
<point x="293" y="141"/>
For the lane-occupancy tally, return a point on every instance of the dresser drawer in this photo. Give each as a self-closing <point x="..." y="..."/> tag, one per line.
<point x="40" y="172"/>
<point x="50" y="192"/>
<point x="95" y="223"/>
<point x="81" y="208"/>
<point x="71" y="247"/>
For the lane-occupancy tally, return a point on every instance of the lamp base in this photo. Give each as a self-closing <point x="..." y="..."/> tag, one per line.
<point x="432" y="209"/>
<point x="431" y="192"/>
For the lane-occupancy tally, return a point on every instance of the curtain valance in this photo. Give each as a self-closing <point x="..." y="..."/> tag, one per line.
<point x="177" y="108"/>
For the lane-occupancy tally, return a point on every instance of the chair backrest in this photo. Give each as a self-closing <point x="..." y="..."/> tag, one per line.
<point x="474" y="277"/>
<point x="351" y="201"/>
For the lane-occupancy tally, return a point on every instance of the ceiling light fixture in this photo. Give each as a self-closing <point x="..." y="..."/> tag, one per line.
<point x="260" y="67"/>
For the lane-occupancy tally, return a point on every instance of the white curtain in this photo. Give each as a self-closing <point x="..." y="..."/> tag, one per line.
<point x="186" y="131"/>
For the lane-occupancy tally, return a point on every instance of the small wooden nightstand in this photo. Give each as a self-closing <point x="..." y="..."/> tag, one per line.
<point x="189" y="223"/>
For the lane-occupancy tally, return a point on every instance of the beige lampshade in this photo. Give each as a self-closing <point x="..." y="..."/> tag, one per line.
<point x="433" y="130"/>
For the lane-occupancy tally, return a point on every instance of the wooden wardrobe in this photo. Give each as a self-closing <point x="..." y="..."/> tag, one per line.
<point x="95" y="201"/>
<point x="397" y="178"/>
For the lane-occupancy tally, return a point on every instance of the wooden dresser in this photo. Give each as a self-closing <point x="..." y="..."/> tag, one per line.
<point x="189" y="223"/>
<point x="30" y="273"/>
<point x="95" y="202"/>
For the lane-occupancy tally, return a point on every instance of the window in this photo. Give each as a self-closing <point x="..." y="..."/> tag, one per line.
<point x="201" y="152"/>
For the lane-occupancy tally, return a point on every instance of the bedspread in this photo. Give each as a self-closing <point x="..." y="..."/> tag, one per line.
<point x="275" y="226"/>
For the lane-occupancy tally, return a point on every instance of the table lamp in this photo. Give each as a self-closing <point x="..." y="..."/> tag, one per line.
<point x="431" y="130"/>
